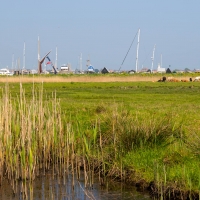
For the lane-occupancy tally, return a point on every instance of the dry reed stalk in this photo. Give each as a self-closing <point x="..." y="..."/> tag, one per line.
<point x="76" y="168"/>
<point x="68" y="152"/>
<point x="85" y="172"/>
<point x="72" y="164"/>
<point x="92" y="178"/>
<point x="54" y="79"/>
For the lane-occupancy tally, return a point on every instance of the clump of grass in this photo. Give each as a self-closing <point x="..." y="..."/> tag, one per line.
<point x="155" y="147"/>
<point x="132" y="131"/>
<point x="192" y="141"/>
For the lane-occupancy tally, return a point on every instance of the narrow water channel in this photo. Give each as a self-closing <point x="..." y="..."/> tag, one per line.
<point x="52" y="187"/>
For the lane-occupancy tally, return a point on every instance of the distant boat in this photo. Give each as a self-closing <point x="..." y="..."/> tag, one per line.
<point x="5" y="72"/>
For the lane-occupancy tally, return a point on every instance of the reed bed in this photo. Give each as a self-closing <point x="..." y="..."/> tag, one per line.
<point x="36" y="135"/>
<point x="90" y="78"/>
<point x="31" y="136"/>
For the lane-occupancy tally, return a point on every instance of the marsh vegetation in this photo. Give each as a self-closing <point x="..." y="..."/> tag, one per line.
<point x="144" y="133"/>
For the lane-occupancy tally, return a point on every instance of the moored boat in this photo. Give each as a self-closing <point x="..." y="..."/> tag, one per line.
<point x="5" y="72"/>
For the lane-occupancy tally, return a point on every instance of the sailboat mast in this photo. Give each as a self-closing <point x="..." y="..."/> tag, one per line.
<point x="39" y="64"/>
<point x="153" y="58"/>
<point x="38" y="48"/>
<point x="56" y="58"/>
<point x="24" y="58"/>
<point x="136" y="64"/>
<point x="81" y="62"/>
<point x="45" y="68"/>
<point x="13" y="62"/>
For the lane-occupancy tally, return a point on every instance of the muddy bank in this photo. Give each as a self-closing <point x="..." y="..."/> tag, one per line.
<point x="167" y="192"/>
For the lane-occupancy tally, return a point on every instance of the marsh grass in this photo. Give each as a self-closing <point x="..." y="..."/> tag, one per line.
<point x="123" y="136"/>
<point x="31" y="135"/>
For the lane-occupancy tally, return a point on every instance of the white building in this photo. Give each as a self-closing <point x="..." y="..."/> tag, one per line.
<point x="160" y="69"/>
<point x="65" y="68"/>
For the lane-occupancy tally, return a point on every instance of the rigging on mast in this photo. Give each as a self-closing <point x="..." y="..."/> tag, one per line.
<point x="129" y="49"/>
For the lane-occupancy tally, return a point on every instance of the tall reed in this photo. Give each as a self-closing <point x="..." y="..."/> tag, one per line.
<point x="31" y="135"/>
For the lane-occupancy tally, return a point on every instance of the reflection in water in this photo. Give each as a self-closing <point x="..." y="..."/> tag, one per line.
<point x="52" y="187"/>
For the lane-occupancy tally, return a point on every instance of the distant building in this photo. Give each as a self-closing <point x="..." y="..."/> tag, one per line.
<point x="65" y="67"/>
<point x="160" y="69"/>
<point x="197" y="70"/>
<point x="132" y="71"/>
<point x="77" y="71"/>
<point x="25" y="71"/>
<point x="168" y="71"/>
<point x="33" y="71"/>
<point x="178" y="71"/>
<point x="145" y="70"/>
<point x="96" y="71"/>
<point x="104" y="71"/>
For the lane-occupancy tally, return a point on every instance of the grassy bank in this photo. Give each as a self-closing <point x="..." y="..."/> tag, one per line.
<point x="142" y="132"/>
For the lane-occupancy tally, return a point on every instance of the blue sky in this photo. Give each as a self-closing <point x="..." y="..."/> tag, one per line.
<point x="102" y="31"/>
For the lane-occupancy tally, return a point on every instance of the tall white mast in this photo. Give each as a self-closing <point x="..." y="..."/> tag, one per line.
<point x="153" y="58"/>
<point x="45" y="68"/>
<point x="18" y="64"/>
<point x="136" y="63"/>
<point x="13" y="62"/>
<point x="39" y="66"/>
<point x="161" y="61"/>
<point x="56" y="63"/>
<point x="38" y="48"/>
<point x="24" y="57"/>
<point x="81" y="62"/>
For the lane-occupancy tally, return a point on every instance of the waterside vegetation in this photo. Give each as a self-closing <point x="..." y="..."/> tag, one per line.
<point x="144" y="133"/>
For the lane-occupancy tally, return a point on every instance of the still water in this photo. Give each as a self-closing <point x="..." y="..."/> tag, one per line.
<point x="52" y="187"/>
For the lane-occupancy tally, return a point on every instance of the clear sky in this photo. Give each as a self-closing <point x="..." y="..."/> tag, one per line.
<point x="102" y="31"/>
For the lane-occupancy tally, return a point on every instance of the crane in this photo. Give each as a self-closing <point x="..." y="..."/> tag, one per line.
<point x="49" y="62"/>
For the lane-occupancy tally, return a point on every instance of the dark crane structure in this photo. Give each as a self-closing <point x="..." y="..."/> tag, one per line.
<point x="42" y="60"/>
<point x="40" y="63"/>
<point x="49" y="62"/>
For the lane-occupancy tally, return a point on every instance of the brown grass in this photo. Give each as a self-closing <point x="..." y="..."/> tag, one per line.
<point x="39" y="79"/>
<point x="78" y="79"/>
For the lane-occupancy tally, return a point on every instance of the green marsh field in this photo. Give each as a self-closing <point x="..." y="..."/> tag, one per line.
<point x="143" y="133"/>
